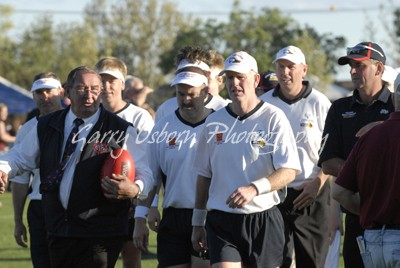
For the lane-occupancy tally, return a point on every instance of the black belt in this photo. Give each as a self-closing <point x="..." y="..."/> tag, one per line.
<point x="387" y="226"/>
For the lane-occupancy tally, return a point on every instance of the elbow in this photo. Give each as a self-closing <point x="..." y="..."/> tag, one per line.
<point x="336" y="193"/>
<point x="327" y="169"/>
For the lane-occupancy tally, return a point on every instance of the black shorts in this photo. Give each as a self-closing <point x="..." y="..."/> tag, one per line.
<point x="306" y="230"/>
<point x="131" y="227"/>
<point x="174" y="245"/>
<point x="131" y="223"/>
<point x="256" y="239"/>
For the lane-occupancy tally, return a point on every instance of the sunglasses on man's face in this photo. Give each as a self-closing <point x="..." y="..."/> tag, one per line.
<point x="361" y="49"/>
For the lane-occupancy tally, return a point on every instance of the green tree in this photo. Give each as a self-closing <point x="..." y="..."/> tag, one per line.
<point x="76" y="46"/>
<point x="147" y="34"/>
<point x="201" y="35"/>
<point x="7" y="45"/>
<point x="137" y="31"/>
<point x="395" y="37"/>
<point x="37" y="51"/>
<point x="262" y="35"/>
<point x="389" y="17"/>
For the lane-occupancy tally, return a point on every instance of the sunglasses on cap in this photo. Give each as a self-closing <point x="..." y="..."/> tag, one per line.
<point x="359" y="49"/>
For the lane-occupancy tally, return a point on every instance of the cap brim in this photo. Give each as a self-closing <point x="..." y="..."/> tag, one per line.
<point x="190" y="78"/>
<point x="199" y="64"/>
<point x="289" y="58"/>
<point x="345" y="59"/>
<point x="116" y="74"/>
<point x="45" y="83"/>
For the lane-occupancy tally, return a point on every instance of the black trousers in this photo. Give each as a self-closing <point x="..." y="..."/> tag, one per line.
<point x="351" y="253"/>
<point x="38" y="235"/>
<point x="306" y="230"/>
<point x="85" y="252"/>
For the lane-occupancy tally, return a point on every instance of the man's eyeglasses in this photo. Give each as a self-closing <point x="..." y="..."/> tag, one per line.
<point x="82" y="90"/>
<point x="359" y="49"/>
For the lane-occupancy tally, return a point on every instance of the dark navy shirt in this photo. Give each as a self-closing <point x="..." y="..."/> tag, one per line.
<point x="346" y="117"/>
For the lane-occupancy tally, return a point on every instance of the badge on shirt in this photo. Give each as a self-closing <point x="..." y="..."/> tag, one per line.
<point x="100" y="148"/>
<point x="172" y="143"/>
<point x="384" y="111"/>
<point x="306" y="123"/>
<point x="350" y="114"/>
<point x="258" y="139"/>
<point x="219" y="138"/>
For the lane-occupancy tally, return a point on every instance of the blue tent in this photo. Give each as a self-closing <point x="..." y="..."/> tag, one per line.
<point x="18" y="100"/>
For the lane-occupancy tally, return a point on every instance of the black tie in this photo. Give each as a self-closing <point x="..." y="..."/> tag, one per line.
<point x="53" y="180"/>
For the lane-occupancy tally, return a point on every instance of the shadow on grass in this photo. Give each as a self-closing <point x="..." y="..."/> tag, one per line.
<point x="149" y="255"/>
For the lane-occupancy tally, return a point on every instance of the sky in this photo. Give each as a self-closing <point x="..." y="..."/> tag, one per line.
<point x="348" y="18"/>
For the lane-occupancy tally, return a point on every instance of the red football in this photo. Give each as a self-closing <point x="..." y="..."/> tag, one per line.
<point x="119" y="162"/>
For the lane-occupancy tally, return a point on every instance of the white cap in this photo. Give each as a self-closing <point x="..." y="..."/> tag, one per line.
<point x="389" y="74"/>
<point x="198" y="64"/>
<point x="291" y="53"/>
<point x="115" y="73"/>
<point x="240" y="62"/>
<point x="42" y="83"/>
<point x="190" y="78"/>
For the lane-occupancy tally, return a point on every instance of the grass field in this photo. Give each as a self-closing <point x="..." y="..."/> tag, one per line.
<point x="13" y="256"/>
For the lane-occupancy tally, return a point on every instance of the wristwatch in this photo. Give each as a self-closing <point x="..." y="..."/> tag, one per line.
<point x="140" y="185"/>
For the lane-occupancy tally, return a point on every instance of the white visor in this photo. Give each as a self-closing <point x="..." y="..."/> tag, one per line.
<point x="198" y="64"/>
<point x="43" y="83"/>
<point x="115" y="73"/>
<point x="190" y="78"/>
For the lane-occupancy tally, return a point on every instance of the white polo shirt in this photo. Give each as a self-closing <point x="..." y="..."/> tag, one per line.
<point x="171" y="149"/>
<point x="140" y="118"/>
<point x="307" y="118"/>
<point x="235" y="151"/>
<point x="28" y="177"/>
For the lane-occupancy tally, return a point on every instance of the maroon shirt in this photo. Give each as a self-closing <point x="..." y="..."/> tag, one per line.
<point x="373" y="170"/>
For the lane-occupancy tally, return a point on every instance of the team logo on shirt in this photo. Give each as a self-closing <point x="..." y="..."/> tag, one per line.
<point x="100" y="148"/>
<point x="172" y="143"/>
<point x="260" y="143"/>
<point x="306" y="124"/>
<point x="384" y="111"/>
<point x="307" y="121"/>
<point x="258" y="140"/>
<point x="350" y="114"/>
<point x="219" y="138"/>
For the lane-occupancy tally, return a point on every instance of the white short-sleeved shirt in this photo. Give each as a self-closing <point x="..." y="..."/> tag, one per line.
<point x="171" y="148"/>
<point x="28" y="177"/>
<point x="213" y="102"/>
<point x="307" y="119"/>
<point x="235" y="151"/>
<point x="140" y="119"/>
